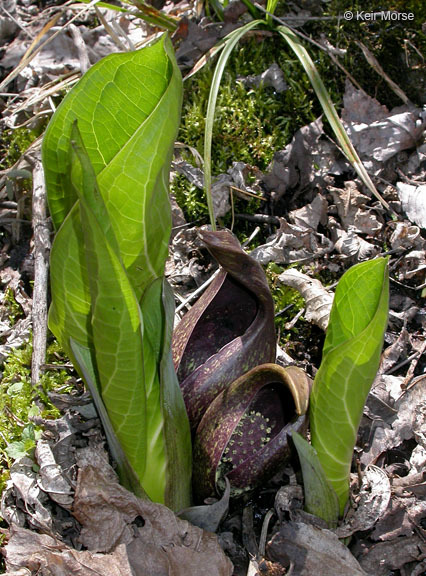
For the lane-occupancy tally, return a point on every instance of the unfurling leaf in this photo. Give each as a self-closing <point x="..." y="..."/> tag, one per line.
<point x="228" y="331"/>
<point x="107" y="154"/>
<point x="351" y="357"/>
<point x="243" y="435"/>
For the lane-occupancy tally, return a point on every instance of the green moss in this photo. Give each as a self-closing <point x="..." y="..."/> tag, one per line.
<point x="251" y="124"/>
<point x="20" y="402"/>
<point x="11" y="307"/>
<point x="13" y="143"/>
<point x="190" y="198"/>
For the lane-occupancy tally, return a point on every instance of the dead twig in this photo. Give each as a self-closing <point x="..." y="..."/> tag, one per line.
<point x="41" y="268"/>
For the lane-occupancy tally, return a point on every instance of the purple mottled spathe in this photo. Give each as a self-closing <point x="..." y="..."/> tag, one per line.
<point x="269" y="392"/>
<point x="228" y="331"/>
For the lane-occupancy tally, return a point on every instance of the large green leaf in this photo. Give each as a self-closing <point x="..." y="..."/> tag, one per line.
<point x="128" y="357"/>
<point x="128" y="476"/>
<point x="351" y="357"/>
<point x="128" y="108"/>
<point x="142" y="91"/>
<point x="116" y="320"/>
<point x="109" y="201"/>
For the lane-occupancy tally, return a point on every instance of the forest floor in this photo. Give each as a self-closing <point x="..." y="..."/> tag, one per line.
<point x="284" y="187"/>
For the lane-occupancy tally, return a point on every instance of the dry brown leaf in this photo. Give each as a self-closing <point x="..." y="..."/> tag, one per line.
<point x="318" y="300"/>
<point x="157" y="541"/>
<point x="352" y="245"/>
<point x="385" y="557"/>
<point x="396" y="521"/>
<point x="352" y="209"/>
<point x="273" y="76"/>
<point x="311" y="550"/>
<point x="310" y="215"/>
<point x="51" y="478"/>
<point x="406" y="236"/>
<point x="410" y="422"/>
<point x="43" y="555"/>
<point x="413" y="201"/>
<point x="292" y="244"/>
<point x="373" y="501"/>
<point x="376" y="133"/>
<point x="305" y="162"/>
<point x="22" y="500"/>
<point x="123" y="535"/>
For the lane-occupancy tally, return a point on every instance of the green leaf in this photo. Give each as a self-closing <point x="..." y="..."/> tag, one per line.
<point x="107" y="155"/>
<point x="25" y="445"/>
<point x="128" y="109"/>
<point x="127" y="354"/>
<point x="320" y="497"/>
<point x="116" y="322"/>
<point x="176" y="424"/>
<point x="127" y="475"/>
<point x="351" y="357"/>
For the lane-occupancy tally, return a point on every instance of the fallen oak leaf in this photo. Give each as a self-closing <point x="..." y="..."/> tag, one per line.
<point x="293" y="243"/>
<point x="353" y="211"/>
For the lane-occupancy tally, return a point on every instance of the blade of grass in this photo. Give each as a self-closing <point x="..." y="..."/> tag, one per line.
<point x="271" y="6"/>
<point x="330" y="111"/>
<point x="106" y="5"/>
<point x="229" y="44"/>
<point x="153" y="16"/>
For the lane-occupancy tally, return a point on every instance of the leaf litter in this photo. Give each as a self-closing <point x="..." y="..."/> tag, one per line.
<point x="70" y="513"/>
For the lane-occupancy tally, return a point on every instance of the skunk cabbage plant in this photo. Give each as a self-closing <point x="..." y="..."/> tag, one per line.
<point x="106" y="155"/>
<point x="228" y="331"/>
<point x="241" y="406"/>
<point x="350" y="360"/>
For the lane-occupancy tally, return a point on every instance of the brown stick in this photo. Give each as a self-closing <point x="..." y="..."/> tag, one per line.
<point x="41" y="267"/>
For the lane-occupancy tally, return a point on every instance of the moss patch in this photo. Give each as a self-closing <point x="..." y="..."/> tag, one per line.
<point x="13" y="143"/>
<point x="20" y="402"/>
